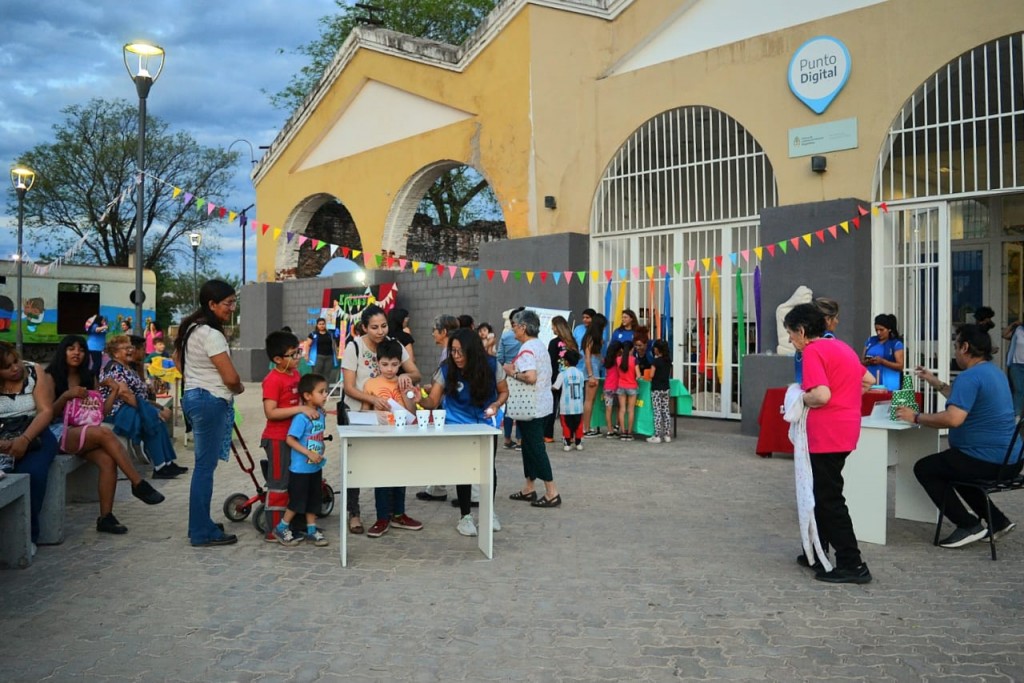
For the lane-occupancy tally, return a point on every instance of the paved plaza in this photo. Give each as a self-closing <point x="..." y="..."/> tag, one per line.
<point x="666" y="562"/>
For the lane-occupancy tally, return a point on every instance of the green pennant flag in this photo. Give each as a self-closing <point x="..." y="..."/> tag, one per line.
<point x="380" y="260"/>
<point x="581" y="275"/>
<point x="429" y="267"/>
<point x="678" y="267"/>
<point x="321" y="245"/>
<point x="518" y="275"/>
<point x="784" y="246"/>
<point x="199" y="203"/>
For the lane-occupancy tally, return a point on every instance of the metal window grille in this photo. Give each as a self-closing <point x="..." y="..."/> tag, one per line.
<point x="689" y="184"/>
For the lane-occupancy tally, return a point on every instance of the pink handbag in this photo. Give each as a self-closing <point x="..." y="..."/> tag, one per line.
<point x="81" y="412"/>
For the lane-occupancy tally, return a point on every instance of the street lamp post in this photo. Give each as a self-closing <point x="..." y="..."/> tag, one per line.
<point x="143" y="82"/>
<point x="195" y="239"/>
<point x="22" y="179"/>
<point x="242" y="217"/>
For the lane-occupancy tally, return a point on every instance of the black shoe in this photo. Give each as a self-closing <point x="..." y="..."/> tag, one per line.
<point x="818" y="567"/>
<point x="226" y="539"/>
<point x="423" y="495"/>
<point x="165" y="472"/>
<point x="1002" y="531"/>
<point x="175" y="467"/>
<point x="147" y="494"/>
<point x="109" y="525"/>
<point x="474" y="504"/>
<point x="859" y="574"/>
<point x="962" y="536"/>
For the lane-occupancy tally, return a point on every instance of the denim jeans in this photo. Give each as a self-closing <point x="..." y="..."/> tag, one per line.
<point x="36" y="464"/>
<point x="390" y="501"/>
<point x="211" y="419"/>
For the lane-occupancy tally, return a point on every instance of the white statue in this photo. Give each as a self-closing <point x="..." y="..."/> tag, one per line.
<point x="802" y="295"/>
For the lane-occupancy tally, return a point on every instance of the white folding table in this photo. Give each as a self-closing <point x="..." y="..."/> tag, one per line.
<point x="373" y="455"/>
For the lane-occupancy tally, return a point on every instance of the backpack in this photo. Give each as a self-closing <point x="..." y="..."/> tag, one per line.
<point x="81" y="412"/>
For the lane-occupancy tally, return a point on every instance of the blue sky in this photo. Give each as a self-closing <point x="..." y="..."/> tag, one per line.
<point x="220" y="57"/>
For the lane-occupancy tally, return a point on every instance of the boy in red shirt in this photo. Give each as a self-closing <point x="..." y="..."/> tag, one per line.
<point x="280" y="404"/>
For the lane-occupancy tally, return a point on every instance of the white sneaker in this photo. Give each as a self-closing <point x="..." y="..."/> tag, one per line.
<point x="654" y="439"/>
<point x="495" y="524"/>
<point x="579" y="446"/>
<point x="566" y="448"/>
<point x="667" y="439"/>
<point x="466" y="526"/>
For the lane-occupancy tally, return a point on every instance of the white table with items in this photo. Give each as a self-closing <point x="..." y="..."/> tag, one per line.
<point x="374" y="455"/>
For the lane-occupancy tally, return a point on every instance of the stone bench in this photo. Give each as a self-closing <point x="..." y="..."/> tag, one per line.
<point x="15" y="523"/>
<point x="70" y="479"/>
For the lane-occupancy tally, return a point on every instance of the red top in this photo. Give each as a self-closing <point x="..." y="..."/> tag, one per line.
<point x="835" y="426"/>
<point x="627" y="377"/>
<point x="282" y="387"/>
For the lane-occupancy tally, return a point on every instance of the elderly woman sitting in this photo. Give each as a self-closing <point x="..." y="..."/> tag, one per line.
<point x="26" y="406"/>
<point x="132" y="413"/>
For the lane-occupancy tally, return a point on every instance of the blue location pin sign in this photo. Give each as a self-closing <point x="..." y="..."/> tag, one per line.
<point x="818" y="71"/>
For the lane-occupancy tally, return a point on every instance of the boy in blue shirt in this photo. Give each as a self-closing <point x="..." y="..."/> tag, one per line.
<point x="305" y="474"/>
<point x="570" y="405"/>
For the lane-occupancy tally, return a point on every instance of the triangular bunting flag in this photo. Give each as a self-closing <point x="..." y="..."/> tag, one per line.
<point x="861" y="210"/>
<point x="820" y="234"/>
<point x="718" y="260"/>
<point x="265" y="228"/>
<point x="568" y="276"/>
<point x="832" y="231"/>
<point x="692" y="263"/>
<point x="884" y="207"/>
<point x="302" y="239"/>
<point x="210" y="208"/>
<point x="428" y="268"/>
<point x="650" y="271"/>
<point x="345" y="251"/>
<point x="232" y="216"/>
<point x="622" y="273"/>
<point x="732" y="257"/>
<point x="795" y="241"/>
<point x="771" y="250"/>
<point x="504" y="275"/>
<point x="678" y="266"/>
<point x="543" y="276"/>
<point x="321" y="245"/>
<point x="199" y="203"/>
<point x="636" y="272"/>
<point x="608" y="275"/>
<point x="759" y="252"/>
<point x="490" y="274"/>
<point x="177" y="191"/>
<point x="224" y="212"/>
<point x="784" y="245"/>
<point x="662" y="269"/>
<point x="845" y="225"/>
<point x="356" y="253"/>
<point x="288" y="237"/>
<point x="746" y="255"/>
<point x="518" y="275"/>
<point x="807" y="238"/>
<point x="188" y="198"/>
<point x="476" y="273"/>
<point x="390" y="261"/>
<point x="416" y="266"/>
<point x="595" y="276"/>
<point x="707" y="263"/>
<point x="402" y="263"/>
<point x="465" y="272"/>
<point x="379" y="259"/>
<point x="557" y="276"/>
<point x="856" y="222"/>
<point x="451" y="272"/>
<point x="581" y="275"/>
<point x="277" y="233"/>
<point x="529" y="276"/>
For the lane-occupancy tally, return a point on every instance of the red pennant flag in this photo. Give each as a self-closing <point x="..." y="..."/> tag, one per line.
<point x="820" y="235"/>
<point x="490" y="275"/>
<point x="345" y="251"/>
<point x="771" y="250"/>
<point x="223" y="212"/>
<point x="543" y="276"/>
<point x="856" y="222"/>
<point x="662" y="269"/>
<point x="441" y="270"/>
<point x="884" y="207"/>
<point x="265" y="228"/>
<point x="833" y="231"/>
<point x="718" y="261"/>
<point x="608" y="275"/>
<point x="795" y="241"/>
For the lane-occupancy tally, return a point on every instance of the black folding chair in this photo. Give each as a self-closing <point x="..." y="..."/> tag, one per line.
<point x="1010" y="478"/>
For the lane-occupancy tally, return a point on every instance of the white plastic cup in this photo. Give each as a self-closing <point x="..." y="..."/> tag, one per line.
<point x="438" y="416"/>
<point x="400" y="419"/>
<point x="422" y="419"/>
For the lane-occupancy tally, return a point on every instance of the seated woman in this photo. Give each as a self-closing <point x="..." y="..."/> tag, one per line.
<point x="26" y="406"/>
<point x="73" y="378"/>
<point x="132" y="413"/>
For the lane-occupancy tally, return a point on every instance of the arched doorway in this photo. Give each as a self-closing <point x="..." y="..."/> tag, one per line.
<point x="320" y="217"/>
<point x="442" y="214"/>
<point x="689" y="184"/>
<point x="951" y="174"/>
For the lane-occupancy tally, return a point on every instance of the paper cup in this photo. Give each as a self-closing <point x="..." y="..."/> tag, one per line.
<point x="438" y="416"/>
<point x="422" y="418"/>
<point x="400" y="419"/>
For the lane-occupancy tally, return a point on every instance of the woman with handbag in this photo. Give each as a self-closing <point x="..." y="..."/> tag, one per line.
<point x="529" y="381"/>
<point x="211" y="384"/>
<point x="26" y="444"/>
<point x="75" y="388"/>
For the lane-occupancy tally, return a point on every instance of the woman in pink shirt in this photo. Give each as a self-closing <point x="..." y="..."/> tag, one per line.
<point x="833" y="381"/>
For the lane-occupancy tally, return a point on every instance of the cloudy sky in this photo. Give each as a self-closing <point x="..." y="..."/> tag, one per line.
<point x="220" y="57"/>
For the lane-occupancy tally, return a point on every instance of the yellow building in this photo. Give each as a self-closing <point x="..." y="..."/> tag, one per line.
<point x="667" y="132"/>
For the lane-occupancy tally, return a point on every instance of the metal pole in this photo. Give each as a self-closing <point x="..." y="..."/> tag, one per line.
<point x="195" y="278"/>
<point x="18" y="304"/>
<point x="142" y="85"/>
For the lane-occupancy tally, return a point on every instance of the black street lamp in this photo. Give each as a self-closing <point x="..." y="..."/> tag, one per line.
<point x="22" y="179"/>
<point x="143" y="82"/>
<point x="242" y="217"/>
<point x="195" y="239"/>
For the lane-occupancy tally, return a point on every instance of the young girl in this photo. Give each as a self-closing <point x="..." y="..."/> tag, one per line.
<point x="611" y="387"/>
<point x="659" y="392"/>
<point x="593" y="367"/>
<point x="627" y="391"/>
<point x="305" y="474"/>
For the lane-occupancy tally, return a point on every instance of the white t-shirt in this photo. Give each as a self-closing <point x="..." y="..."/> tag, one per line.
<point x="533" y="355"/>
<point x="200" y="372"/>
<point x="364" y="361"/>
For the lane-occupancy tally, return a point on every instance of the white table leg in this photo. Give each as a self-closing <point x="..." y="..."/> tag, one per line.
<point x="343" y="495"/>
<point x="486" y="531"/>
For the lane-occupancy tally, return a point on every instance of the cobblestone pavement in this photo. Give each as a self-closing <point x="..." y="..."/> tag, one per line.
<point x="666" y="562"/>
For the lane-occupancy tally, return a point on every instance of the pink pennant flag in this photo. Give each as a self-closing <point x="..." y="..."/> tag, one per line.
<point x="567" y="274"/>
<point x="745" y="253"/>
<point x="210" y="208"/>
<point x="504" y="275"/>
<point x="691" y="264"/>
<point x="862" y="210"/>
<point x="302" y="239"/>
<point x="636" y="272"/>
<point x="451" y="272"/>
<point x="833" y="230"/>
<point x="253" y="225"/>
<point x="662" y="269"/>
<point x="401" y="263"/>
<point x="795" y="241"/>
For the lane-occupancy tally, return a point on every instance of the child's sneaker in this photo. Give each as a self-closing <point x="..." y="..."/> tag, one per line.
<point x="466" y="526"/>
<point x="317" y="537"/>
<point x="566" y="445"/>
<point x="404" y="521"/>
<point x="579" y="446"/>
<point x="654" y="439"/>
<point x="285" y="537"/>
<point x="379" y="528"/>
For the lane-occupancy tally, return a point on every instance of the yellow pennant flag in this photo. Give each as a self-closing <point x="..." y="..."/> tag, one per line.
<point x="529" y="276"/>
<point x="176" y="192"/>
<point x="595" y="276"/>
<point x="845" y="225"/>
<point x="465" y="273"/>
<point x="807" y="238"/>
<point x="650" y="271"/>
<point x="277" y="233"/>
<point x="356" y="253"/>
<point x="415" y="266"/>
<point x="759" y="252"/>
<point x="707" y="263"/>
<point x="231" y="216"/>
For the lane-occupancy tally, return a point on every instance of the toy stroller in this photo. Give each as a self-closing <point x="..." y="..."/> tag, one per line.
<point x="238" y="506"/>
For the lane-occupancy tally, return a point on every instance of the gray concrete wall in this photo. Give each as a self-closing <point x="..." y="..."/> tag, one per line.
<point x="761" y="372"/>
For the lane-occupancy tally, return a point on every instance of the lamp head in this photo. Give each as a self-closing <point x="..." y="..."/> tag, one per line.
<point x="195" y="239"/>
<point x="144" y="52"/>
<point x="22" y="178"/>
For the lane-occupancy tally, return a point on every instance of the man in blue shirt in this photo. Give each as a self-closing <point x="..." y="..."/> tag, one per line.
<point x="979" y="416"/>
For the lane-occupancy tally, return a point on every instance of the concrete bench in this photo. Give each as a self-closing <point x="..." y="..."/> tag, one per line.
<point x="15" y="523"/>
<point x="70" y="479"/>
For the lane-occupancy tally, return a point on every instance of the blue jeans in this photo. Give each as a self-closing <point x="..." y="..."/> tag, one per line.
<point x="1017" y="384"/>
<point x="36" y="464"/>
<point x="390" y="501"/>
<point x="211" y="419"/>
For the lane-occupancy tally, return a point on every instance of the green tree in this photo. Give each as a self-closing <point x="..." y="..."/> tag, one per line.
<point x="460" y="196"/>
<point x="446" y="21"/>
<point x="174" y="300"/>
<point x="92" y="162"/>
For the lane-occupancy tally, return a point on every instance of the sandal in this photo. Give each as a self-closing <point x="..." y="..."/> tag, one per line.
<point x="519" y="495"/>
<point x="546" y="502"/>
<point x="355" y="525"/>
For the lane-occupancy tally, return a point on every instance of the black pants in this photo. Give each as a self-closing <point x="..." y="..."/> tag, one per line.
<point x="465" y="491"/>
<point x="835" y="528"/>
<point x="935" y="471"/>
<point x="549" y="421"/>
